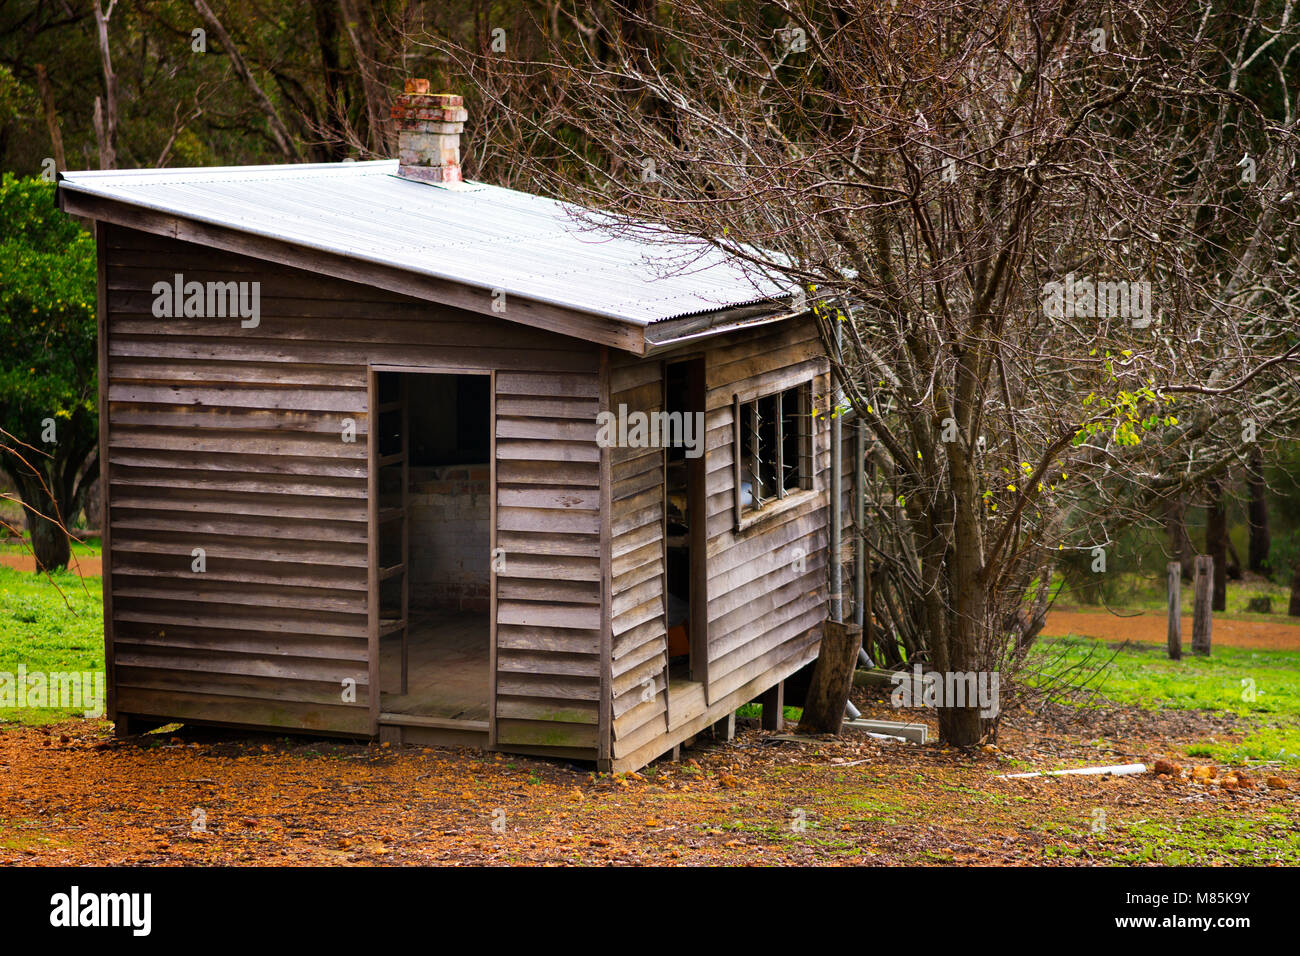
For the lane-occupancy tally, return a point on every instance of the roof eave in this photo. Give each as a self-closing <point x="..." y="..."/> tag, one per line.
<point x="671" y="334"/>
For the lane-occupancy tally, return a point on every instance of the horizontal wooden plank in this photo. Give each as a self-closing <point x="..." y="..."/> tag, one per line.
<point x="547" y="429"/>
<point x="548" y="383"/>
<point x="238" y="420"/>
<point x="181" y="459"/>
<point x="245" y="711"/>
<point x="531" y="638"/>
<point x="550" y="473"/>
<point x="240" y="550"/>
<point x="527" y="449"/>
<point x="548" y="615"/>
<point x="321" y="486"/>
<point x="550" y="496"/>
<point x="185" y="635"/>
<point x="236" y="373"/>
<point x="257" y="526"/>
<point x="548" y="520"/>
<point x="537" y="543"/>
<point x="206" y="661"/>
<point x="538" y="733"/>
<point x="290" y="397"/>
<point x="249" y="443"/>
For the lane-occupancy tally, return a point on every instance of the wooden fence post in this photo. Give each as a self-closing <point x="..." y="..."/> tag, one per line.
<point x="1202" y="619"/>
<point x="1175" y="572"/>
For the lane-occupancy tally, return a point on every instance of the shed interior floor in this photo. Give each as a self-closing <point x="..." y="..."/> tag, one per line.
<point x="447" y="666"/>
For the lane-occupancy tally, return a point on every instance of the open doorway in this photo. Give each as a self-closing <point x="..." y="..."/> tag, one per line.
<point x="433" y="448"/>
<point x="685" y="572"/>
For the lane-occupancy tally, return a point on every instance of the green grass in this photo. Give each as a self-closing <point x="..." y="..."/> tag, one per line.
<point x="1239" y="840"/>
<point x="49" y="624"/>
<point x="1262" y="686"/>
<point x="755" y="711"/>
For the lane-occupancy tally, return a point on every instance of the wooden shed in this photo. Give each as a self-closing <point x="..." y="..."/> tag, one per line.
<point x="376" y="461"/>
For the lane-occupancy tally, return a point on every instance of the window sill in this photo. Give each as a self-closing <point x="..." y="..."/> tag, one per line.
<point x="778" y="507"/>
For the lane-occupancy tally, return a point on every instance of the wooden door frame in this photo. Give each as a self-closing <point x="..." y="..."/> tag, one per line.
<point x="372" y="529"/>
<point x="697" y="502"/>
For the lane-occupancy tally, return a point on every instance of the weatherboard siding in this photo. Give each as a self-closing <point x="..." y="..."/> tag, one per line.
<point x="765" y="608"/>
<point x="229" y="439"/>
<point x="639" y="661"/>
<point x="767" y="582"/>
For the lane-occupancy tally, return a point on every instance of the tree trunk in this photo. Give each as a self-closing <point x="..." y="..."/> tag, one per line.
<point x="106" y="109"/>
<point x="961" y="726"/>
<point x="1216" y="542"/>
<point x="1234" y="560"/>
<point x="1258" y="514"/>
<point x="50" y="543"/>
<point x="51" y="117"/>
<point x="1180" y="542"/>
<point x="327" y="42"/>
<point x="365" y="49"/>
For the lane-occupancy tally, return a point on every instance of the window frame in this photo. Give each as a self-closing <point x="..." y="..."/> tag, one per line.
<point x="745" y="406"/>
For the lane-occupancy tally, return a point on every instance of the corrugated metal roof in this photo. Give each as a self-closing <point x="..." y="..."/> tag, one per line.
<point x="484" y="236"/>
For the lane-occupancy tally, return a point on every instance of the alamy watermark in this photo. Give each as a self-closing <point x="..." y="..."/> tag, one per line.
<point x="951" y="689"/>
<point x="1083" y="298"/>
<point x="74" y="908"/>
<point x="66" y="690"/>
<point x="639" y="429"/>
<point x="179" y="299"/>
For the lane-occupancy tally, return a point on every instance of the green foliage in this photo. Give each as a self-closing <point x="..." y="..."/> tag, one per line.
<point x="47" y="316"/>
<point x="13" y="98"/>
<point x="1128" y="414"/>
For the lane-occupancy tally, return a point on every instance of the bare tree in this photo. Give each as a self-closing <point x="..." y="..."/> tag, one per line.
<point x="51" y="116"/>
<point x="1257" y="514"/>
<point x="1052" y="249"/>
<point x="283" y="141"/>
<point x="106" y="106"/>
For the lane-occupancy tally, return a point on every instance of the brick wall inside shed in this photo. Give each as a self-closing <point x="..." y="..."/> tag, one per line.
<point x="450" y="517"/>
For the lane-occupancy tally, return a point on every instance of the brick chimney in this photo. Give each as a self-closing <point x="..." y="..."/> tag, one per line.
<point x="428" y="133"/>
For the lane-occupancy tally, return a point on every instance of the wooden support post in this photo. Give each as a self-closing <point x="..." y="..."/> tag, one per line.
<point x="130" y="725"/>
<point x="828" y="692"/>
<point x="773" y="703"/>
<point x="725" y="728"/>
<point x="1202" y="619"/>
<point x="1175" y="571"/>
<point x="122" y="726"/>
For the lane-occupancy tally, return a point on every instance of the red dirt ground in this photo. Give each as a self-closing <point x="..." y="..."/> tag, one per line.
<point x="71" y="795"/>
<point x="87" y="567"/>
<point x="1150" y="627"/>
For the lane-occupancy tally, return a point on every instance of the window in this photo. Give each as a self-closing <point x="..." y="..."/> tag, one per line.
<point x="774" y="448"/>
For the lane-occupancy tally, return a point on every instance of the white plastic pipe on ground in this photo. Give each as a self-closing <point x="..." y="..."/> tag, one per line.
<point x="1116" y="770"/>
